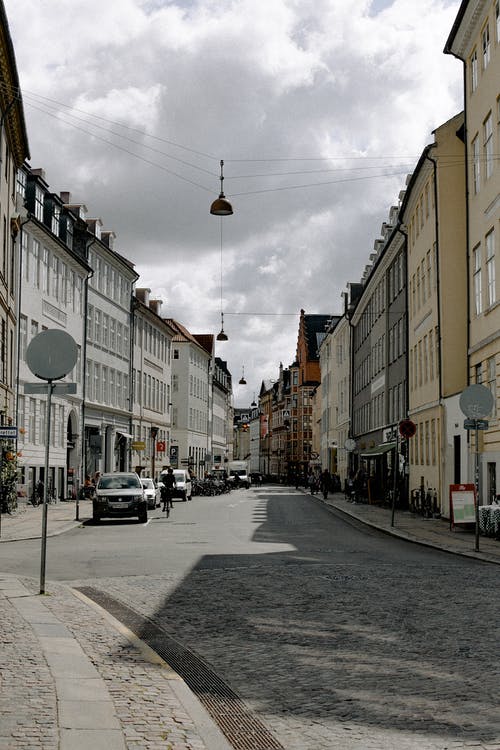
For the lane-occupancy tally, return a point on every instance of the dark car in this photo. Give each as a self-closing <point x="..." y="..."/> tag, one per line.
<point x="119" y="495"/>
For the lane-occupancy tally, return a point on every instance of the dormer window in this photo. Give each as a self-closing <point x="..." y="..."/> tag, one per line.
<point x="69" y="233"/>
<point x="38" y="203"/>
<point x="21" y="182"/>
<point x="56" y="217"/>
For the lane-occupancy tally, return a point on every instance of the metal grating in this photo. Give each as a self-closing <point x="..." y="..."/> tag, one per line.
<point x="242" y="729"/>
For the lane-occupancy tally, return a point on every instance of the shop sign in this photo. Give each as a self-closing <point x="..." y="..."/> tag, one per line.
<point x="138" y="445"/>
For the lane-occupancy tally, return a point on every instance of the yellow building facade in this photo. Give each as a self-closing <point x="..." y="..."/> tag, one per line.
<point x="433" y="211"/>
<point x="475" y="40"/>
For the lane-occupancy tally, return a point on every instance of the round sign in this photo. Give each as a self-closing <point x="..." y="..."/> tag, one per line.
<point x="350" y="444"/>
<point x="407" y="428"/>
<point x="52" y="354"/>
<point x="476" y="401"/>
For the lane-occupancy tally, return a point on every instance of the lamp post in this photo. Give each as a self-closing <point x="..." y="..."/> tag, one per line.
<point x="154" y="432"/>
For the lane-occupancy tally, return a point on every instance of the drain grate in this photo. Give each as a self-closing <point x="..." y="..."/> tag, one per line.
<point x="242" y="729"/>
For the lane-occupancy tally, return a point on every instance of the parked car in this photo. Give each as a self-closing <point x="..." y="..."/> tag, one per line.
<point x="183" y="488"/>
<point x="119" y="495"/>
<point x="151" y="491"/>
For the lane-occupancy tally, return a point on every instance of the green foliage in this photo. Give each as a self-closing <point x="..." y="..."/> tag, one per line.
<point x="8" y="478"/>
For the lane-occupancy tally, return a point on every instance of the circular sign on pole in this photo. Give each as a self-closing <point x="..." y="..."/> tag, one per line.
<point x="476" y="401"/>
<point x="407" y="428"/>
<point x="52" y="354"/>
<point x="350" y="444"/>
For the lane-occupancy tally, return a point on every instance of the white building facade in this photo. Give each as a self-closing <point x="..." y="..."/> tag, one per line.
<point x="151" y="386"/>
<point x="52" y="278"/>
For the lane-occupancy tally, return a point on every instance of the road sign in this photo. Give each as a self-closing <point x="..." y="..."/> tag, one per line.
<point x="407" y="428"/>
<point x="58" y="389"/>
<point x="476" y="424"/>
<point x="8" y="433"/>
<point x="52" y="354"/>
<point x="476" y="401"/>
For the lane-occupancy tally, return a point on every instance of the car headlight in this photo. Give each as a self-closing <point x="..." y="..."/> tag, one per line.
<point x="138" y="498"/>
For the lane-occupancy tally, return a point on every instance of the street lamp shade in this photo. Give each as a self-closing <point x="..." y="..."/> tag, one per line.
<point x="221" y="205"/>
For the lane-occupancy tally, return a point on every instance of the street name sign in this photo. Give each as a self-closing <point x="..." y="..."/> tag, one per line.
<point x="476" y="424"/>
<point x="9" y="433"/>
<point x="58" y="389"/>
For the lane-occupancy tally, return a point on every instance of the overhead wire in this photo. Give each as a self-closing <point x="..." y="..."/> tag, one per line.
<point x="354" y="178"/>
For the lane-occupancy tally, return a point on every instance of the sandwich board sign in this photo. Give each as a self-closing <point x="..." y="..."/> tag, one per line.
<point x="462" y="504"/>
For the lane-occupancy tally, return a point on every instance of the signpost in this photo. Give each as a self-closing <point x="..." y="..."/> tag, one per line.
<point x="476" y="402"/>
<point x="50" y="356"/>
<point x="406" y="429"/>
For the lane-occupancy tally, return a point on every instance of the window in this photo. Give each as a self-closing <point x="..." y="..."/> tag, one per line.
<point x="486" y="45"/>
<point x="34" y="329"/>
<point x="488" y="145"/>
<point x="490" y="267"/>
<point x="56" y="215"/>
<point x="23" y="336"/>
<point x="35" y="263"/>
<point x="476" y="165"/>
<point x="497" y="19"/>
<point x="45" y="271"/>
<point x="20" y="418"/>
<point x="473" y="71"/>
<point x="38" y="203"/>
<point x="476" y="255"/>
<point x="32" y="421"/>
<point x="176" y="354"/>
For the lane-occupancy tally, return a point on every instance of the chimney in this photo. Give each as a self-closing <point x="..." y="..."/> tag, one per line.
<point x="39" y="172"/>
<point x="65" y="197"/>
<point x="143" y="295"/>
<point x="108" y="237"/>
<point x="155" y="306"/>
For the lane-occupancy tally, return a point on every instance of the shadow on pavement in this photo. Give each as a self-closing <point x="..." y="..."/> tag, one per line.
<point x="348" y="626"/>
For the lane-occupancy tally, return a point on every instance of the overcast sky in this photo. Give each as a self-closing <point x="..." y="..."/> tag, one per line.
<point x="319" y="110"/>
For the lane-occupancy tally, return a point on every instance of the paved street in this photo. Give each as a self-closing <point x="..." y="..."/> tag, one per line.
<point x="333" y="634"/>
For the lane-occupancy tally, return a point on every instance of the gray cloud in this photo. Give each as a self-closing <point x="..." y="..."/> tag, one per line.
<point x="273" y="88"/>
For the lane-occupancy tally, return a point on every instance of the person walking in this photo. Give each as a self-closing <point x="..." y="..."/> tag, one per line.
<point x="167" y="490"/>
<point x="311" y="481"/>
<point x="325" y="482"/>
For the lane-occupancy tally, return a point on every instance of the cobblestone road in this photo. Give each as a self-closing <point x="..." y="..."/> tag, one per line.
<point x="378" y="645"/>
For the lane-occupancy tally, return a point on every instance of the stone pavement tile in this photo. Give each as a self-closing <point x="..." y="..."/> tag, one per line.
<point x="78" y="689"/>
<point x="89" y="739"/>
<point x="87" y="714"/>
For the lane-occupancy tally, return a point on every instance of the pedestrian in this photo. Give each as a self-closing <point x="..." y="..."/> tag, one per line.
<point x="325" y="482"/>
<point x="39" y="491"/>
<point x="88" y="488"/>
<point x="311" y="481"/>
<point x="166" y="491"/>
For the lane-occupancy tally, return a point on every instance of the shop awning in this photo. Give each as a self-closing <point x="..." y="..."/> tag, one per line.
<point x="378" y="450"/>
<point x="124" y="434"/>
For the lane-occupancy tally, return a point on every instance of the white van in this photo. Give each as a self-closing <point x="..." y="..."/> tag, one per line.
<point x="182" y="487"/>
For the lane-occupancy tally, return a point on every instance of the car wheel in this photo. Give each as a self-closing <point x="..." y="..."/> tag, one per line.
<point x="95" y="517"/>
<point x="143" y="516"/>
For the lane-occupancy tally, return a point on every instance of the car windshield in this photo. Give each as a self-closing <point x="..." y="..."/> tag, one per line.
<point x="148" y="484"/>
<point x="118" y="483"/>
<point x="179" y="476"/>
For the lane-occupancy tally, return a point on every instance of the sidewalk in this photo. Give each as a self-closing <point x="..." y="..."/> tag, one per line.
<point x="26" y="521"/>
<point x="432" y="532"/>
<point x="73" y="677"/>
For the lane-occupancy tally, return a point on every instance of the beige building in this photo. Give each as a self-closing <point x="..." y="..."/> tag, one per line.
<point x="433" y="210"/>
<point x="475" y="40"/>
<point x="335" y="379"/>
